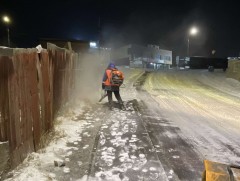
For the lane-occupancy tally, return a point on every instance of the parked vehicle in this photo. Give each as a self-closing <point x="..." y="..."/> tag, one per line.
<point x="209" y="63"/>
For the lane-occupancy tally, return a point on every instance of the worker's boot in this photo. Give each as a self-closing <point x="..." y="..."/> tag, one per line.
<point x="121" y="105"/>
<point x="110" y="105"/>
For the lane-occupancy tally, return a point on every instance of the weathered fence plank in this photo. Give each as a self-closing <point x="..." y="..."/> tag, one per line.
<point x="46" y="91"/>
<point x="63" y="74"/>
<point x="20" y="90"/>
<point x="4" y="108"/>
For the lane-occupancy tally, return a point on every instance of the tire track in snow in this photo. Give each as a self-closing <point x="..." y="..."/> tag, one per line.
<point x="177" y="155"/>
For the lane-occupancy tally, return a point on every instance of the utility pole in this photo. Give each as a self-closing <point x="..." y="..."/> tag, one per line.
<point x="7" y="21"/>
<point x="193" y="31"/>
<point x="99" y="34"/>
<point x="8" y="36"/>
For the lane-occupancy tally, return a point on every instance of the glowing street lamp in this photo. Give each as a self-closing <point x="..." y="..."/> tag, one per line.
<point x="7" y="21"/>
<point x="192" y="32"/>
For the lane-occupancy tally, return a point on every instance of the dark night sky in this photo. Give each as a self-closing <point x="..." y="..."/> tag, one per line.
<point x="165" y="23"/>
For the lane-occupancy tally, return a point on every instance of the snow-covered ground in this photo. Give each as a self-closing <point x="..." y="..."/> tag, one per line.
<point x="203" y="107"/>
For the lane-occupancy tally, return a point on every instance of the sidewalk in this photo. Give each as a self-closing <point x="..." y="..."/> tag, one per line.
<point x="124" y="150"/>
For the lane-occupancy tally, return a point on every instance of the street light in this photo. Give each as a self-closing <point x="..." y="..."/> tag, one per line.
<point x="7" y="21"/>
<point x="193" y="31"/>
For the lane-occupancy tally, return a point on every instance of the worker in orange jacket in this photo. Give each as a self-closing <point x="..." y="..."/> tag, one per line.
<point x="111" y="88"/>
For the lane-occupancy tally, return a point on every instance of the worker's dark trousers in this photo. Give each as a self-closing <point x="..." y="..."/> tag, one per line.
<point x="117" y="95"/>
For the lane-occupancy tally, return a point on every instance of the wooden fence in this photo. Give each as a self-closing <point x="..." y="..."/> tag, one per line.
<point x="33" y="87"/>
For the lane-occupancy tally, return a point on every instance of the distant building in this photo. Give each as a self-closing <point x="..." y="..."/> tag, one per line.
<point x="142" y="57"/>
<point x="156" y="58"/>
<point x="181" y="62"/>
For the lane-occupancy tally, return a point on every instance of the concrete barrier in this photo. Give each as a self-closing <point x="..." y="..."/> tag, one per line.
<point x="233" y="70"/>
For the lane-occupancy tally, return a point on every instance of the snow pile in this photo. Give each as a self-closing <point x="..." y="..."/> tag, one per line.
<point x="219" y="81"/>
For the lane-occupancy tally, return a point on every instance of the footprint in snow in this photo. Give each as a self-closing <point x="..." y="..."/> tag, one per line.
<point x="66" y="170"/>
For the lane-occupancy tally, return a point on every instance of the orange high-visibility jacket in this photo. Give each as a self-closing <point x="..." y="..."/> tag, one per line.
<point x="107" y="77"/>
<point x="107" y="82"/>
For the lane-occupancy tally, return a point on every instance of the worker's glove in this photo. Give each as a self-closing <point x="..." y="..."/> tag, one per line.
<point x="103" y="86"/>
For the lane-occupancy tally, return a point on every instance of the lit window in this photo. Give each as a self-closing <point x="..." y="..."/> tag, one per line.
<point x="93" y="44"/>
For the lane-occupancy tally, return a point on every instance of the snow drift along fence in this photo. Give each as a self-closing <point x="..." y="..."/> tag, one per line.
<point x="32" y="88"/>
